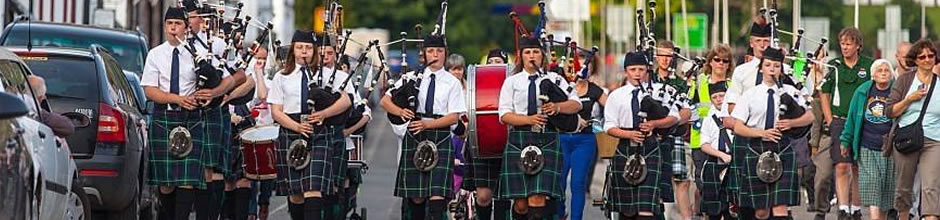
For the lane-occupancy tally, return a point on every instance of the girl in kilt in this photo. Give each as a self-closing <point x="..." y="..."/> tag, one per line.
<point x="441" y="100"/>
<point x="519" y="109"/>
<point x="863" y="140"/>
<point x="307" y="186"/>
<point x="712" y="178"/>
<point x="169" y="79"/>
<point x="621" y="120"/>
<point x="758" y="130"/>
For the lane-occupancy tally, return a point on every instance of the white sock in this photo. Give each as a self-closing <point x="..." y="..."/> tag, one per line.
<point x="845" y="208"/>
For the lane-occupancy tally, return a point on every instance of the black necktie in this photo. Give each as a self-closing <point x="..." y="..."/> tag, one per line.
<point x="533" y="108"/>
<point x="304" y="88"/>
<point x="723" y="138"/>
<point x="429" y="100"/>
<point x="175" y="72"/>
<point x="635" y="107"/>
<point x="769" y="118"/>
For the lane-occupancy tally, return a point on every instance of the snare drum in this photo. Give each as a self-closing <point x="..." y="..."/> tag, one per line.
<point x="258" y="150"/>
<point x="483" y="85"/>
<point x="355" y="152"/>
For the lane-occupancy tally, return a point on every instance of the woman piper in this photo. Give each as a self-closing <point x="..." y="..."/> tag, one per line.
<point x="759" y="132"/>
<point x="534" y="187"/>
<point x="306" y="185"/>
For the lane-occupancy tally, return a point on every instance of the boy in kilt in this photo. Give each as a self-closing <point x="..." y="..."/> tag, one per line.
<point x="713" y="178"/>
<point x="307" y="186"/>
<point x="759" y="130"/>
<point x="678" y="190"/>
<point x="534" y="194"/>
<point x="425" y="189"/>
<point x="622" y="120"/>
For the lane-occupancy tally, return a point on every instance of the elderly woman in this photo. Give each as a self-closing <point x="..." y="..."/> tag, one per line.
<point x="863" y="139"/>
<point x="455" y="65"/>
<point x="906" y="103"/>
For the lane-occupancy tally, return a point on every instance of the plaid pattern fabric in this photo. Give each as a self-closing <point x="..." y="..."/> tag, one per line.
<point x="715" y="192"/>
<point x="484" y="172"/>
<point x="755" y="193"/>
<point x="629" y="199"/>
<point x="218" y="129"/>
<point x="680" y="170"/>
<point x="318" y="175"/>
<point x="876" y="179"/>
<point x="413" y="183"/>
<point x="514" y="183"/>
<point x="340" y="163"/>
<point x="166" y="169"/>
<point x="237" y="159"/>
<point x="666" y="147"/>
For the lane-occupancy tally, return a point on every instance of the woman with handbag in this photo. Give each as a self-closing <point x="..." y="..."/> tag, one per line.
<point x="916" y="139"/>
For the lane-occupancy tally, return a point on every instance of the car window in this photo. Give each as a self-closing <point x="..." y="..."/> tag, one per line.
<point x="122" y="92"/>
<point x="67" y="77"/>
<point x="126" y="50"/>
<point x="14" y="82"/>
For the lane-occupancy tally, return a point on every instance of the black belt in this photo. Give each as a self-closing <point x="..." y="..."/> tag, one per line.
<point x="548" y="128"/>
<point x="425" y="115"/>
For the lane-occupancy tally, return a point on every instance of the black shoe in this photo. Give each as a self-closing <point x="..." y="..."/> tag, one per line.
<point x="857" y="215"/>
<point x="844" y="215"/>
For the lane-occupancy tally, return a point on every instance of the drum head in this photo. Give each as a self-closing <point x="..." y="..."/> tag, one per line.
<point x="531" y="161"/>
<point x="259" y="134"/>
<point x="425" y="158"/>
<point x="181" y="142"/>
<point x="769" y="167"/>
<point x="297" y="155"/>
<point x="635" y="169"/>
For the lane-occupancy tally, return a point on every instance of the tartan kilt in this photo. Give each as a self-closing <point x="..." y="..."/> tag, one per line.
<point x="514" y="183"/>
<point x="876" y="179"/>
<point x="439" y="181"/>
<point x="755" y="193"/>
<point x="166" y="169"/>
<point x="715" y="192"/>
<point x="318" y="175"/>
<point x="484" y="172"/>
<point x="631" y="199"/>
<point x="341" y="163"/>
<point x="666" y="148"/>
<point x="218" y="131"/>
<point x="237" y="165"/>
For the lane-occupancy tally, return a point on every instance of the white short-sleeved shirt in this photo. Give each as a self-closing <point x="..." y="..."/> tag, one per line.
<point x="711" y="131"/>
<point x="619" y="110"/>
<point x="514" y="95"/>
<point x="157" y="69"/>
<point x="753" y="110"/>
<point x="744" y="78"/>
<point x="448" y="92"/>
<point x="366" y="113"/>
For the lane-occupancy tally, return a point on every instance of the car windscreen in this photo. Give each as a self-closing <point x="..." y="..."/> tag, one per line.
<point x="127" y="52"/>
<point x="66" y="77"/>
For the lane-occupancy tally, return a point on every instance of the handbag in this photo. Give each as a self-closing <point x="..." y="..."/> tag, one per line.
<point x="910" y="138"/>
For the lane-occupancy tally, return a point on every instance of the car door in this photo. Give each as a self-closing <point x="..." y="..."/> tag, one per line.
<point x="125" y="98"/>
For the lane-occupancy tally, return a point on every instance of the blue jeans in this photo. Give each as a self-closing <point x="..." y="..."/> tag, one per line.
<point x="578" y="152"/>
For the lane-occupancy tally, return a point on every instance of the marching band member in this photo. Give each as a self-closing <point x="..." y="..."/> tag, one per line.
<point x="758" y="131"/>
<point x="483" y="177"/>
<point x="716" y="143"/>
<point x="746" y="75"/>
<point x="679" y="159"/>
<point x="496" y="56"/>
<point x="622" y="119"/>
<point x="307" y="186"/>
<point x="440" y="99"/>
<point x="169" y="79"/>
<point x="718" y="70"/>
<point x="533" y="193"/>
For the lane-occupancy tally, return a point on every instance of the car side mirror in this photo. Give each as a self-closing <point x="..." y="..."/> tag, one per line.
<point x="15" y="106"/>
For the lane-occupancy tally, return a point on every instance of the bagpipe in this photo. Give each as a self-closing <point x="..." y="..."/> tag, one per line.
<point x="406" y="95"/>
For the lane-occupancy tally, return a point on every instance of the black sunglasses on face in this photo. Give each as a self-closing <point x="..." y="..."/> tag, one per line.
<point x="716" y="59"/>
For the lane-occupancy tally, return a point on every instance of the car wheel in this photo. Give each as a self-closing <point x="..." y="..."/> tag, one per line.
<point x="77" y="206"/>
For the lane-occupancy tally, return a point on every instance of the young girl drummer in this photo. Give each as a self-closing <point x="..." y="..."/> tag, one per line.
<point x="306" y="186"/>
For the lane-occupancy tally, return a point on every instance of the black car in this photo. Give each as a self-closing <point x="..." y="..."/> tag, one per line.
<point x="110" y="149"/>
<point x="128" y="47"/>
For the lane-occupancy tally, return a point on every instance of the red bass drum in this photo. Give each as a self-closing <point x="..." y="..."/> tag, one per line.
<point x="486" y="135"/>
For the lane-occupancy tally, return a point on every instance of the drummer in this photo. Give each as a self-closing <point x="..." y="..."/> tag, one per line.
<point x="306" y="186"/>
<point x="716" y="146"/>
<point x="496" y="56"/>
<point x="622" y="120"/>
<point x="534" y="194"/>
<point x="440" y="102"/>
<point x="758" y="131"/>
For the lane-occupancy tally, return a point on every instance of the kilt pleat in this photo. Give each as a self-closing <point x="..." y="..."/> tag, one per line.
<point x="716" y="194"/>
<point x="218" y="131"/>
<point x="319" y="174"/>
<point x="484" y="172"/>
<point x="753" y="192"/>
<point x="631" y="199"/>
<point x="413" y="183"/>
<point x="166" y="169"/>
<point x="514" y="183"/>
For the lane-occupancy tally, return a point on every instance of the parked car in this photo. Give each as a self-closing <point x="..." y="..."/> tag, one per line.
<point x="128" y="47"/>
<point x="110" y="150"/>
<point x="55" y="192"/>
<point x="16" y="163"/>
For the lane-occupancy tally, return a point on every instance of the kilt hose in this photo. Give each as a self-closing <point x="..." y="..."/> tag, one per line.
<point x="716" y="194"/>
<point x="628" y="199"/>
<point x="753" y="192"/>
<point x="483" y="172"/>
<point x="439" y="181"/>
<point x="166" y="169"/>
<point x="514" y="183"/>
<point x="218" y="129"/>
<point x="319" y="174"/>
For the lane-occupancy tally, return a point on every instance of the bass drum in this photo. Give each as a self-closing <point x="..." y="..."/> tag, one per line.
<point x="483" y="85"/>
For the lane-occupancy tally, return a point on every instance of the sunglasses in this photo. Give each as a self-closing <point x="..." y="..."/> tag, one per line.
<point x="716" y="59"/>
<point x="924" y="57"/>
